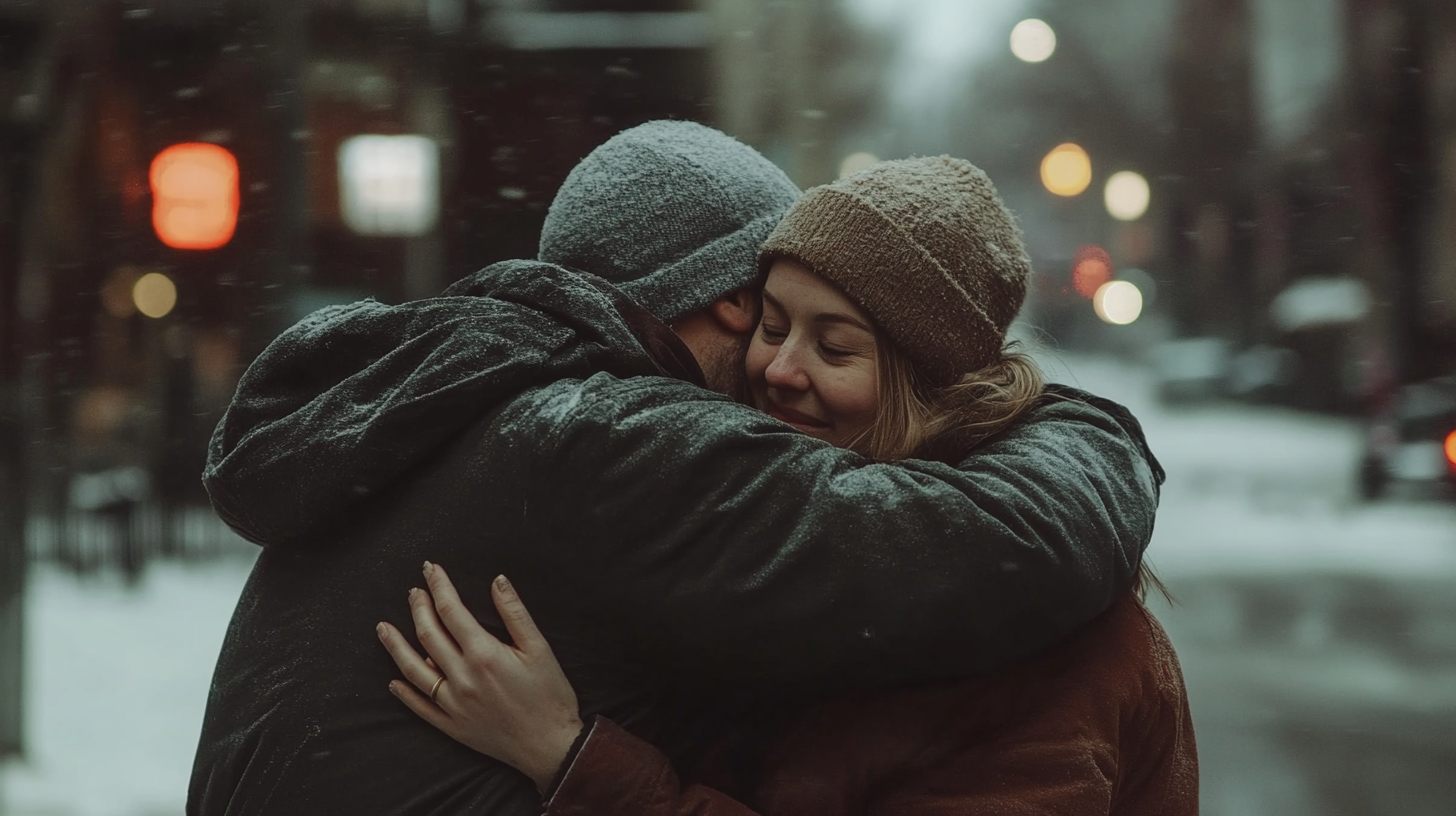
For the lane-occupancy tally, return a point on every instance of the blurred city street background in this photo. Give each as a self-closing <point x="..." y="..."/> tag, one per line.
<point x="1242" y="214"/>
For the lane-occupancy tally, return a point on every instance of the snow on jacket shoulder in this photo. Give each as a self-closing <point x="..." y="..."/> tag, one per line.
<point x="352" y="396"/>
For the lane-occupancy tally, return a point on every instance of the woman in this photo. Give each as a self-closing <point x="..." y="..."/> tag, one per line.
<point x="885" y="309"/>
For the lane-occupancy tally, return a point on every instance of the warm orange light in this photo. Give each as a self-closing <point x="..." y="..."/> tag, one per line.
<point x="1451" y="448"/>
<point x="1067" y="170"/>
<point x="1091" y="268"/>
<point x="194" y="196"/>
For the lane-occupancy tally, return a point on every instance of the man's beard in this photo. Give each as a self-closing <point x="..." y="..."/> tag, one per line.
<point x="724" y="370"/>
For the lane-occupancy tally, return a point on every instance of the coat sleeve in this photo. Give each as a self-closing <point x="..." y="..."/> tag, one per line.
<point x="730" y="549"/>
<point x="617" y="774"/>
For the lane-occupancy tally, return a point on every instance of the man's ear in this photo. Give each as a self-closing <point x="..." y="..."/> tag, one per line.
<point x="737" y="311"/>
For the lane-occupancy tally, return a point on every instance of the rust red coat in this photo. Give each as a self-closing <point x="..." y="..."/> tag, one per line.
<point x="1098" y="725"/>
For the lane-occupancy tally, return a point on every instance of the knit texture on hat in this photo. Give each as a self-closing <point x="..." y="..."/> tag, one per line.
<point x="672" y="212"/>
<point x="926" y="247"/>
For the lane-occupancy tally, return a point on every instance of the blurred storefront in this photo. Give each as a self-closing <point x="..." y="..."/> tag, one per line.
<point x="1312" y="194"/>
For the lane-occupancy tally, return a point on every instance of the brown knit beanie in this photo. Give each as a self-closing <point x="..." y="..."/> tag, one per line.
<point x="926" y="247"/>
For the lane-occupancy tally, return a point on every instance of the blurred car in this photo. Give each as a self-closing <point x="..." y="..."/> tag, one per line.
<point x="1189" y="369"/>
<point x="1413" y="441"/>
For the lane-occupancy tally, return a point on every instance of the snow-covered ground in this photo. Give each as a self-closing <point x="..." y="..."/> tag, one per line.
<point x="118" y="676"/>
<point x="116" y="682"/>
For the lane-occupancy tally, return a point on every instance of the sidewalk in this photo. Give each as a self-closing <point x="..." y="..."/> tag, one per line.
<point x="117" y="681"/>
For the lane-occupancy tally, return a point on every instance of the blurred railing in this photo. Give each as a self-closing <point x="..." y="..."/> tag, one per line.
<point x="127" y="537"/>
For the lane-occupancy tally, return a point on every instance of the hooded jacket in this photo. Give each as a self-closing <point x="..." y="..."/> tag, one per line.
<point x="681" y="552"/>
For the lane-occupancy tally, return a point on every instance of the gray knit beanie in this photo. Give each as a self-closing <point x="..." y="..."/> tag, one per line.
<point x="671" y="212"/>
<point x="926" y="247"/>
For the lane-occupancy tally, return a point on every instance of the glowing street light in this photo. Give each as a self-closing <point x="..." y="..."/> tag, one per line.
<point x="1067" y="170"/>
<point x="1126" y="195"/>
<point x="1118" y="302"/>
<point x="194" y="195"/>
<point x="389" y="185"/>
<point x="154" y="294"/>
<point x="1033" y="41"/>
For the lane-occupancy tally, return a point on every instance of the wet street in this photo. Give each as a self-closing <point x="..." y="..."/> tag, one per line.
<point x="1326" y="695"/>
<point x="1317" y="634"/>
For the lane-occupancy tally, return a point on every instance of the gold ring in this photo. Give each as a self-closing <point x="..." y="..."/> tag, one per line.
<point x="435" y="689"/>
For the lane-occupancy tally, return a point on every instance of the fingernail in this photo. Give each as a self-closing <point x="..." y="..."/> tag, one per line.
<point x="502" y="583"/>
<point x="379" y="630"/>
<point x="392" y="689"/>
<point x="429" y="569"/>
<point x="412" y="592"/>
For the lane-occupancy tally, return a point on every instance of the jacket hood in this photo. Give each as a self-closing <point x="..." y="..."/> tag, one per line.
<point x="343" y="402"/>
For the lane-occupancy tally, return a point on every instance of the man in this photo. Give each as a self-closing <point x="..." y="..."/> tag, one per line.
<point x="683" y="553"/>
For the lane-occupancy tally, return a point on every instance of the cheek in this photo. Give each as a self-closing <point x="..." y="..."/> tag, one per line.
<point x="854" y="396"/>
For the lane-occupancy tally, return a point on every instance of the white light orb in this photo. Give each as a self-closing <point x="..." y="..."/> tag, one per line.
<point x="1126" y="195"/>
<point x="389" y="185"/>
<point x="1033" y="41"/>
<point x="1118" y="302"/>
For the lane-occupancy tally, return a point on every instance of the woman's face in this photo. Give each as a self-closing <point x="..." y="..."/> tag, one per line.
<point x="812" y="362"/>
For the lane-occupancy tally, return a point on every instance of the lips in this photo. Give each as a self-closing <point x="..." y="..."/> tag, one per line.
<point x="799" y="420"/>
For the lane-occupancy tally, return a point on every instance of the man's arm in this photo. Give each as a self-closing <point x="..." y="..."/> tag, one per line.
<point x="732" y="549"/>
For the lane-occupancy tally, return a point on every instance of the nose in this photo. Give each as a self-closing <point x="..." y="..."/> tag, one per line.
<point x="786" y="372"/>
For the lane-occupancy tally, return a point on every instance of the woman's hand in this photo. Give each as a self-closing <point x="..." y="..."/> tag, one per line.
<point x="512" y="703"/>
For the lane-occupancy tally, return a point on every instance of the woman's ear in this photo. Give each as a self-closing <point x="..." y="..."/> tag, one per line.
<point x="737" y="311"/>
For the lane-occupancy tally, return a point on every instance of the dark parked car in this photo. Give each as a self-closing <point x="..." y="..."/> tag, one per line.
<point x="1413" y="441"/>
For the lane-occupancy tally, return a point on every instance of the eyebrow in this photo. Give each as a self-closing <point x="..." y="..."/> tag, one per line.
<point x="824" y="317"/>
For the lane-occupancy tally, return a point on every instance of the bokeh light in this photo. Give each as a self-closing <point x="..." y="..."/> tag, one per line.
<point x="194" y="195"/>
<point x="1451" y="448"/>
<point x="1126" y="195"/>
<point x="1091" y="267"/>
<point x="1033" y="41"/>
<point x="1118" y="302"/>
<point x="389" y="185"/>
<point x="855" y="162"/>
<point x="154" y="294"/>
<point x="1066" y="170"/>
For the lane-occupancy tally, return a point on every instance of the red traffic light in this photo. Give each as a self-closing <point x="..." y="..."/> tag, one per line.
<point x="194" y="195"/>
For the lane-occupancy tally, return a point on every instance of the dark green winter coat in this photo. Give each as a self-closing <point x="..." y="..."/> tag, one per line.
<point x="682" y="553"/>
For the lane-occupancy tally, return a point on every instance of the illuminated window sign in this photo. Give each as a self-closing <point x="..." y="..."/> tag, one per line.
<point x="194" y="196"/>
<point x="389" y="185"/>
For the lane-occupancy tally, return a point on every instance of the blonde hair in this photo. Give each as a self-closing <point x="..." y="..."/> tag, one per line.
<point x="917" y="420"/>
